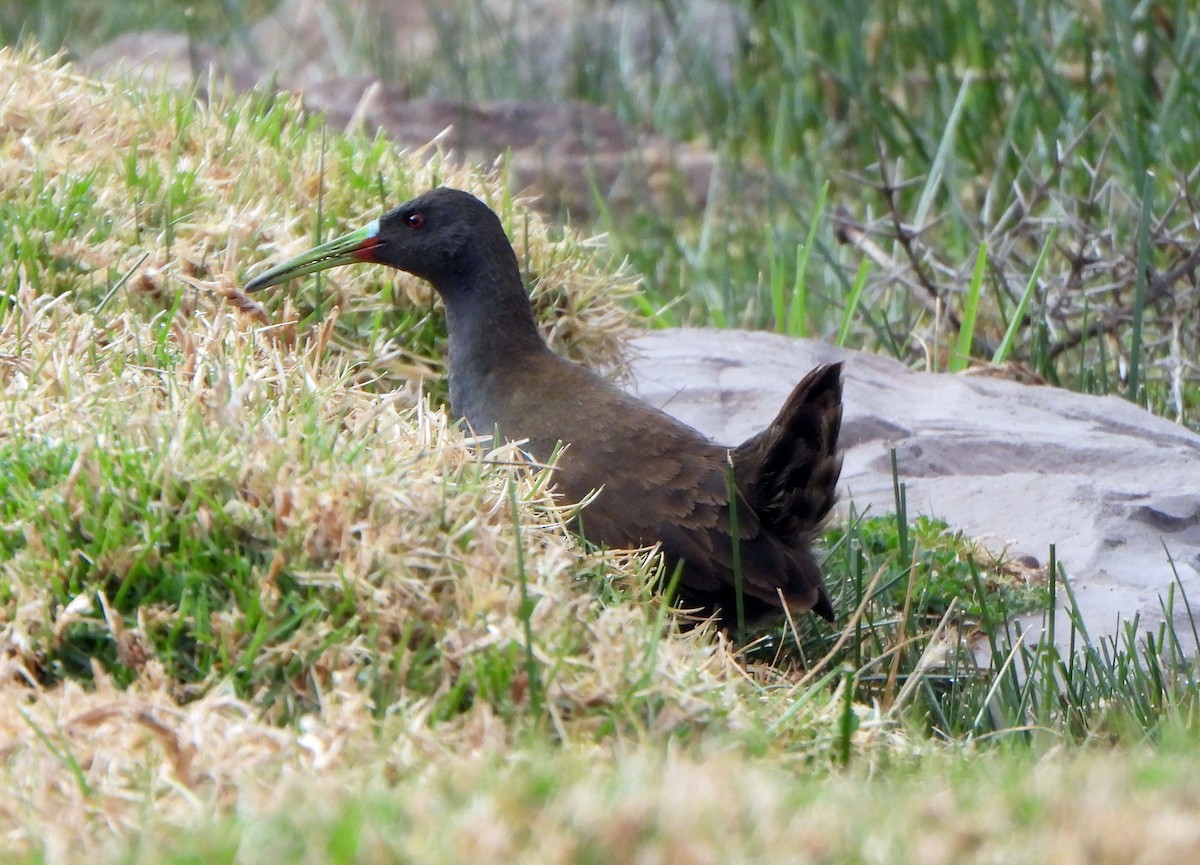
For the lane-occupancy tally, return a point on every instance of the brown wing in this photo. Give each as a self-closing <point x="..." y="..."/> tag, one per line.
<point x="661" y="480"/>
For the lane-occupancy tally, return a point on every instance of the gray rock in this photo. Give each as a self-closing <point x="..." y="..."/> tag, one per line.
<point x="555" y="151"/>
<point x="546" y="44"/>
<point x="560" y="152"/>
<point x="1020" y="467"/>
<point x="174" y="59"/>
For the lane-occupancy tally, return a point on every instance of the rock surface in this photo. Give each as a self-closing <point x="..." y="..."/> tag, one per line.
<point x="559" y="150"/>
<point x="544" y="43"/>
<point x="175" y="60"/>
<point x="1113" y="487"/>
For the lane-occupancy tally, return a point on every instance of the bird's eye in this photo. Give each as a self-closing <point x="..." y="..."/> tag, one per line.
<point x="414" y="220"/>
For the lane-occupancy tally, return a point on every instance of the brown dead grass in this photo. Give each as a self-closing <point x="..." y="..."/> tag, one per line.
<point x="646" y="747"/>
<point x="417" y="527"/>
<point x="674" y="806"/>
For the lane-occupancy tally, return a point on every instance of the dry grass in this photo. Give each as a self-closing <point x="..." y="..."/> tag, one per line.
<point x="270" y="575"/>
<point x="207" y="193"/>
<point x="261" y="601"/>
<point x="671" y="806"/>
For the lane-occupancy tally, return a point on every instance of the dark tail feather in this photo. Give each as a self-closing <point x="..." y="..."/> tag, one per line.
<point x="788" y="473"/>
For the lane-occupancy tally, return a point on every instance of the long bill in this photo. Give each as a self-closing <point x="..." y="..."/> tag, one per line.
<point x="347" y="249"/>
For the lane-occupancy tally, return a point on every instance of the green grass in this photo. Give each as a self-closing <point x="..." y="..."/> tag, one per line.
<point x="253" y="587"/>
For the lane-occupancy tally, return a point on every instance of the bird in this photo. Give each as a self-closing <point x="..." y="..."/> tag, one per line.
<point x="656" y="479"/>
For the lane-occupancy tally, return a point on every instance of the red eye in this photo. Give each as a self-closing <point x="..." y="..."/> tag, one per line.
<point x="414" y="220"/>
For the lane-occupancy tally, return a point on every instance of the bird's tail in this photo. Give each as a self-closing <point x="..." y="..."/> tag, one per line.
<point x="788" y="473"/>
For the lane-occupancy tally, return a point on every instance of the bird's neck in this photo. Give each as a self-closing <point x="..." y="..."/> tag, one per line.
<point x="492" y="333"/>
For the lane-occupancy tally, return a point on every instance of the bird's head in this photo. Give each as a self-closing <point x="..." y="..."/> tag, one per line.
<point x="446" y="236"/>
